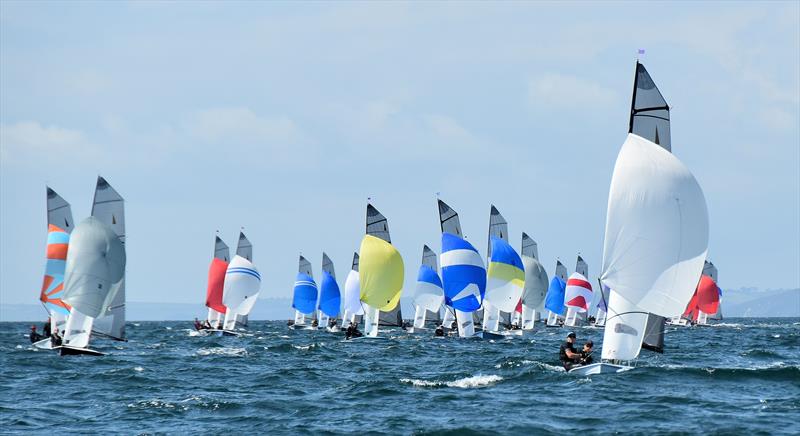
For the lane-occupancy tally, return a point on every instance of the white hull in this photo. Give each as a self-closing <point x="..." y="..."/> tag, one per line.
<point x="599" y="368"/>
<point x="44" y="344"/>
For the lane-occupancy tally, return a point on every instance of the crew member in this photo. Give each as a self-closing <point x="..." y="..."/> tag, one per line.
<point x="198" y="325"/>
<point x="55" y="339"/>
<point x="586" y="353"/>
<point x="568" y="355"/>
<point x="35" y="336"/>
<point x="46" y="328"/>
<point x="439" y="331"/>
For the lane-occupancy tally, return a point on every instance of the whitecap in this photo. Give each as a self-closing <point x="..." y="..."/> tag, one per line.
<point x="224" y="351"/>
<point x="138" y="369"/>
<point x="476" y="381"/>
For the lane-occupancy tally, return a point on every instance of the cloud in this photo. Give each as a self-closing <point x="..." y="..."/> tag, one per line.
<point x="239" y="124"/>
<point x="26" y="139"/>
<point x="448" y="128"/>
<point x="563" y="91"/>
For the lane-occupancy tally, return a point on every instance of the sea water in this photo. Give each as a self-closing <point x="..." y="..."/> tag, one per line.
<point x="738" y="377"/>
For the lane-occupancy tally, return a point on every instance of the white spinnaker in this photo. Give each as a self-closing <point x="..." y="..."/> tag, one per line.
<point x="352" y="290"/>
<point x="624" y="329"/>
<point x="242" y="286"/>
<point x="656" y="236"/>
<point x="536" y="282"/>
<point x="109" y="207"/>
<point x="95" y="267"/>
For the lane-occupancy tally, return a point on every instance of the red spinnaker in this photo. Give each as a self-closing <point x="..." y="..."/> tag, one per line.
<point x="216" y="282"/>
<point x="707" y="295"/>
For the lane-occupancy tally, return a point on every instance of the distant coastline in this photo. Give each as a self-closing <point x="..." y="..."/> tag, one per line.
<point x="736" y="303"/>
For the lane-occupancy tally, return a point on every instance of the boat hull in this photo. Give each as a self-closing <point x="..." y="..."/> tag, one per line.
<point x="217" y="332"/>
<point x="44" y="344"/>
<point x="66" y="350"/>
<point x="599" y="368"/>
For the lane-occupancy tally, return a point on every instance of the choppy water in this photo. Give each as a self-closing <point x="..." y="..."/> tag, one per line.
<point x="740" y="377"/>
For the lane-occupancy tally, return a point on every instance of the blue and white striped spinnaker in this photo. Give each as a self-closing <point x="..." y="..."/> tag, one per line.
<point x="305" y="294"/>
<point x="463" y="274"/>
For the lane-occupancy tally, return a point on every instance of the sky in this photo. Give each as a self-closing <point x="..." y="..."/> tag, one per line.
<point x="284" y="118"/>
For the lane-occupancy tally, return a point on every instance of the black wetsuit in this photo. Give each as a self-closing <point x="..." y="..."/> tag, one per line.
<point x="355" y="333"/>
<point x="586" y="358"/>
<point x="439" y="331"/>
<point x="46" y="330"/>
<point x="35" y="337"/>
<point x="562" y="355"/>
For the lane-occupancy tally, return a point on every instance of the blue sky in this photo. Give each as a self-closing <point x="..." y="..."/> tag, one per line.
<point x="284" y="117"/>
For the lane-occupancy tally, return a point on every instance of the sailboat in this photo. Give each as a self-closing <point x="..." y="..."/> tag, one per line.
<point x="241" y="287"/>
<point x="304" y="301"/>
<point x="449" y="222"/>
<point x="378" y="226"/>
<point x="380" y="272"/>
<point x="59" y="226"/>
<point x="504" y="285"/>
<point x="498" y="229"/>
<point x="704" y="301"/>
<point x="577" y="315"/>
<point x="554" y="300"/>
<point x="536" y="284"/>
<point x="710" y="270"/>
<point x="330" y="299"/>
<point x="656" y="237"/>
<point x="352" y="294"/>
<point x="94" y="270"/>
<point x="109" y="207"/>
<point x="577" y="297"/>
<point x="429" y="295"/>
<point x="216" y="283"/>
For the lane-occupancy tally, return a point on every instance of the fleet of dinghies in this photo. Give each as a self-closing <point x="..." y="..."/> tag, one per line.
<point x="654" y="262"/>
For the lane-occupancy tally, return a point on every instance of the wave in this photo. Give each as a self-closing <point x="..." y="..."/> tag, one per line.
<point x="476" y="381"/>
<point x="222" y="351"/>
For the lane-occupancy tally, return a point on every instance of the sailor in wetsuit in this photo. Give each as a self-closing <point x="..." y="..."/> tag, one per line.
<point x="352" y="331"/>
<point x="35" y="336"/>
<point x="568" y="355"/>
<point x="46" y="328"/>
<point x="586" y="353"/>
<point x="439" y="331"/>
<point x="55" y="339"/>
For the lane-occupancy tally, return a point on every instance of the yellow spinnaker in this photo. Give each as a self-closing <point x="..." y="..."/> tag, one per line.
<point x="381" y="272"/>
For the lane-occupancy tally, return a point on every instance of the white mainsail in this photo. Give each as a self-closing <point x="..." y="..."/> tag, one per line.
<point x="109" y="207"/>
<point x="352" y="290"/>
<point x="95" y="267"/>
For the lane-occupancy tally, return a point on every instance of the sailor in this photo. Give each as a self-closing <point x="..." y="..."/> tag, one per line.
<point x="55" y="339"/>
<point x="355" y="333"/>
<point x="315" y="323"/>
<point x="349" y="332"/>
<point x="568" y="355"/>
<point x="35" y="336"/>
<point x="332" y="323"/>
<point x="197" y="325"/>
<point x="439" y="330"/>
<point x="46" y="328"/>
<point x="586" y="353"/>
<point x="453" y="325"/>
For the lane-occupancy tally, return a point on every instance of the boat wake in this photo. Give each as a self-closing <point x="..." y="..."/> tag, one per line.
<point x="476" y="381"/>
<point x="222" y="351"/>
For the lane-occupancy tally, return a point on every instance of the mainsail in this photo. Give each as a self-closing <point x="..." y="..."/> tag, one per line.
<point x="656" y="241"/>
<point x="448" y="219"/>
<point x="244" y="248"/>
<point x="380" y="274"/>
<point x="59" y="225"/>
<point x="216" y="282"/>
<point x="498" y="228"/>
<point x="109" y="207"/>
<point x="242" y="286"/>
<point x="536" y="282"/>
<point x="649" y="111"/>
<point x="94" y="269"/>
<point x="330" y="298"/>
<point x="352" y="293"/>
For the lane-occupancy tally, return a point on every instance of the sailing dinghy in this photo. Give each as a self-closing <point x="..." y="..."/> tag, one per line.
<point x="450" y="223"/>
<point x="95" y="268"/>
<point x="241" y="287"/>
<point x="352" y="294"/>
<point x="577" y="297"/>
<point x="109" y="207"/>
<point x="504" y="285"/>
<point x="536" y="284"/>
<point x="216" y="284"/>
<point x="656" y="237"/>
<point x="554" y="300"/>
<point x="330" y="298"/>
<point x="59" y="226"/>
<point x="304" y="300"/>
<point x="380" y="272"/>
<point x="429" y="295"/>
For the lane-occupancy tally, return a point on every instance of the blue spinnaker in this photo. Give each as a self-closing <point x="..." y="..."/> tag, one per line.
<point x="463" y="274"/>
<point x="554" y="301"/>
<point x="305" y="294"/>
<point x="330" y="299"/>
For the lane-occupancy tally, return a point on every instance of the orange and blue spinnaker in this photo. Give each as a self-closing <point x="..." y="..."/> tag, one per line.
<point x="53" y="284"/>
